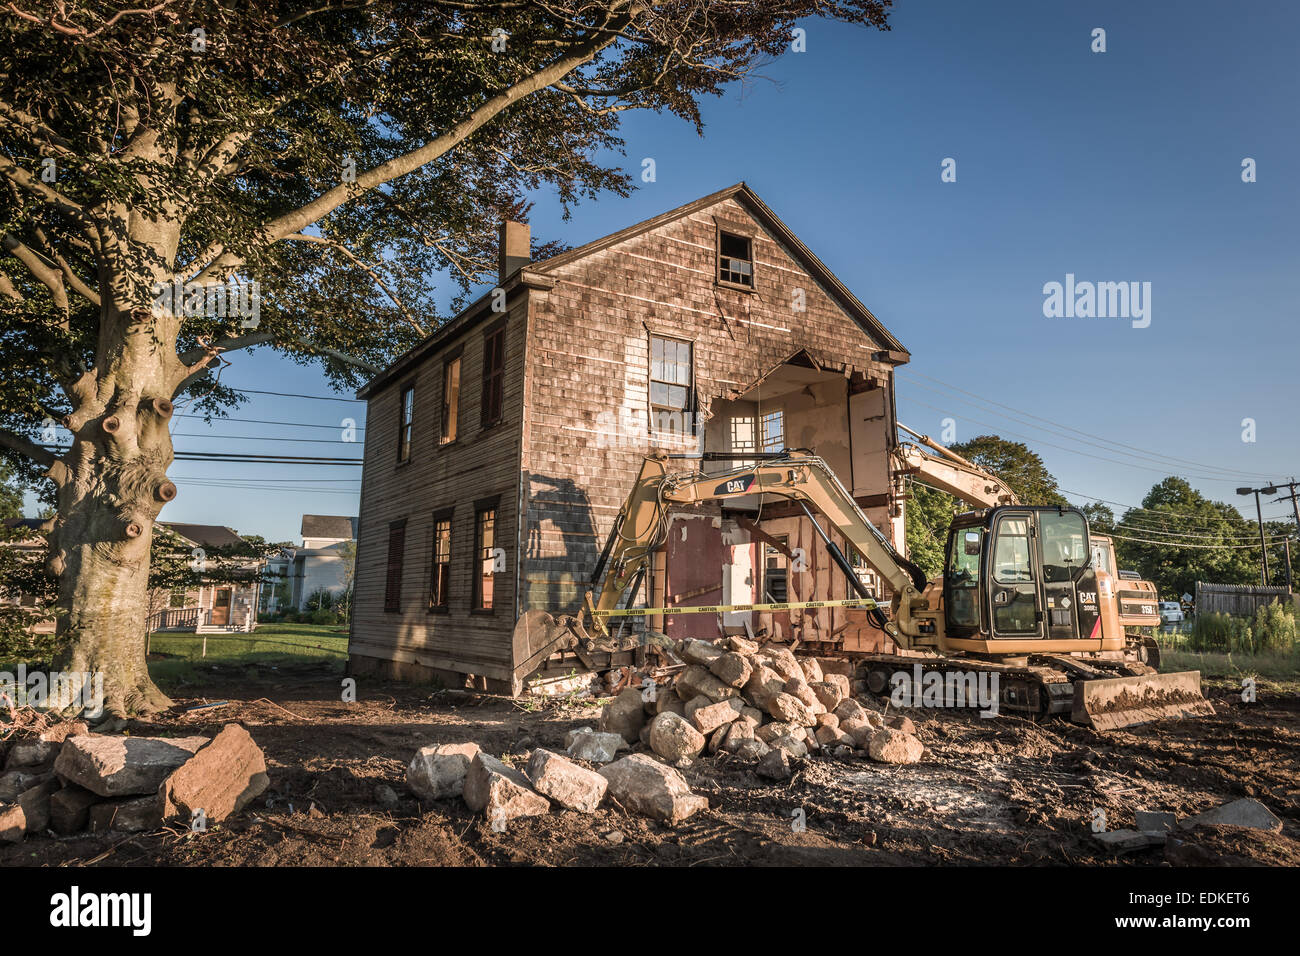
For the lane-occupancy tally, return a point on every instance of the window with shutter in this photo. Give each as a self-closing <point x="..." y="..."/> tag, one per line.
<point x="494" y="375"/>
<point x="393" y="582"/>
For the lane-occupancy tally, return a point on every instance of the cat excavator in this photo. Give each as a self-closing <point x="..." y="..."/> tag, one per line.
<point x="1137" y="601"/>
<point x="1019" y="596"/>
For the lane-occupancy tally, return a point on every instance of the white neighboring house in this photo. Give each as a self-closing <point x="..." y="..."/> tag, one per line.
<point x="215" y="607"/>
<point x="321" y="564"/>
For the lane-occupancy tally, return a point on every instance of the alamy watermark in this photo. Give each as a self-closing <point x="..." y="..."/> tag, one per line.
<point x="1100" y="300"/>
<point x="55" y="689"/>
<point x="230" y="299"/>
<point x="945" y="689"/>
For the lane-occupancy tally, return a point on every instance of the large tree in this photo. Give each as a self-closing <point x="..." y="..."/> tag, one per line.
<point x="336" y="152"/>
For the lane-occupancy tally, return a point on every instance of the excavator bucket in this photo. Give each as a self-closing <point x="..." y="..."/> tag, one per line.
<point x="1116" y="702"/>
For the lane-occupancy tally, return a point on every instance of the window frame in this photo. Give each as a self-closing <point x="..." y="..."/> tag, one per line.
<point x="689" y="410"/>
<point x="441" y="582"/>
<point x="733" y="233"/>
<point x="494" y="380"/>
<point x="760" y="430"/>
<point x="482" y="507"/>
<point x="405" y="426"/>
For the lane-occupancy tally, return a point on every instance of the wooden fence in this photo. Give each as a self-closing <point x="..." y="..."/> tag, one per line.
<point x="1239" y="599"/>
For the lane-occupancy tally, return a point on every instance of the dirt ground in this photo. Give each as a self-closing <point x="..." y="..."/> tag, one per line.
<point x="989" y="791"/>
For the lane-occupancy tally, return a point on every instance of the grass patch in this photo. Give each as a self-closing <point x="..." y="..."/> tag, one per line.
<point x="177" y="659"/>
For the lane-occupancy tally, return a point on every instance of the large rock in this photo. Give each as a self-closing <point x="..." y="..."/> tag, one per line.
<point x="708" y="719"/>
<point x="123" y="766"/>
<point x="894" y="746"/>
<point x="31" y="752"/>
<point x="860" y="729"/>
<point x="790" y="710"/>
<point x="1239" y="813"/>
<point x="840" y="681"/>
<point x="593" y="746"/>
<point x="673" y="738"/>
<point x="438" y="772"/>
<point x="774" y="765"/>
<point x="501" y="793"/>
<point x="812" y="670"/>
<point x="800" y="689"/>
<point x="763" y="684"/>
<point x="644" y="785"/>
<point x="781" y="660"/>
<point x="36" y="804"/>
<point x="699" y="652"/>
<point x="828" y="693"/>
<point x="132" y="815"/>
<point x="795" y="748"/>
<point x="753" y="750"/>
<point x="738" y="733"/>
<point x="70" y="809"/>
<point x="732" y="669"/>
<point x="14" y="782"/>
<point x="13" y="823"/>
<point x="624" y="715"/>
<point x="668" y="701"/>
<point x="769" y="732"/>
<point x="848" y="709"/>
<point x="220" y="779"/>
<point x="571" y="786"/>
<point x="697" y="680"/>
<point x="742" y="646"/>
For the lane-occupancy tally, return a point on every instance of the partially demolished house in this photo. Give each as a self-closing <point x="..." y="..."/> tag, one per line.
<point x="499" y="450"/>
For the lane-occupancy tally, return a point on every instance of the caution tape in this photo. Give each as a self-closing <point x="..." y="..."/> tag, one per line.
<point x="721" y="608"/>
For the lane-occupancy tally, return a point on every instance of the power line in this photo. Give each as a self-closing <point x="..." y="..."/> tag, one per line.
<point x="318" y="398"/>
<point x="1172" y="544"/>
<point x="1107" y="443"/>
<point x="263" y="421"/>
<point x="316" y="441"/>
<point x="1194" y="520"/>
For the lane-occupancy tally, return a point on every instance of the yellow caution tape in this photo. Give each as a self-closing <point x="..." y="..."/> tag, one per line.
<point x="720" y="608"/>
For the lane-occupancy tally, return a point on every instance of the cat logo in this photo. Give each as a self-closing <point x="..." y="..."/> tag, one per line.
<point x="735" y="486"/>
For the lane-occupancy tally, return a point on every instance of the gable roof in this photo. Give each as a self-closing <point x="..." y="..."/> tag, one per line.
<point x="536" y="275"/>
<point x="328" y="526"/>
<point x="206" y="535"/>
<point x="747" y="198"/>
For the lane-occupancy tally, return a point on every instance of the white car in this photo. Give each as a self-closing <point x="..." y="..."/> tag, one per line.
<point x="1171" y="612"/>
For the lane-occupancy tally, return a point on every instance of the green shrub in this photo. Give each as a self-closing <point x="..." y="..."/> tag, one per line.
<point x="1271" y="630"/>
<point x="324" y="616"/>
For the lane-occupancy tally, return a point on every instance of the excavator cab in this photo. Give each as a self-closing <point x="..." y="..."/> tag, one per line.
<point x="1020" y="573"/>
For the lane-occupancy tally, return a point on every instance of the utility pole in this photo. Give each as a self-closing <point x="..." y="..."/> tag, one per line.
<point x="1294" y="498"/>
<point x="1259" y="516"/>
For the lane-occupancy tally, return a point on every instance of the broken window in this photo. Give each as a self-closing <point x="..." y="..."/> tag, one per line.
<point x="406" y="423"/>
<point x="671" y="382"/>
<point x="772" y="430"/>
<point x="440" y="579"/>
<point x="735" y="259"/>
<point x="450" y="399"/>
<point x="776" y="573"/>
<point x="393" y="580"/>
<point x="485" y="520"/>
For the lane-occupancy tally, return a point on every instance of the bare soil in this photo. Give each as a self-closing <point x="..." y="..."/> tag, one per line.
<point x="989" y="791"/>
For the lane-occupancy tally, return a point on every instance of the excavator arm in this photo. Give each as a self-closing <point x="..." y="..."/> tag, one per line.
<point x="950" y="472"/>
<point x="642" y="527"/>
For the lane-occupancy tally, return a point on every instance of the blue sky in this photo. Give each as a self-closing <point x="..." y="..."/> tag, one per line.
<point x="1115" y="166"/>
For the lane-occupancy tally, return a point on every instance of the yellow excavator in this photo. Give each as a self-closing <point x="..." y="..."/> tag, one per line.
<point x="1020" y="595"/>
<point x="1137" y="601"/>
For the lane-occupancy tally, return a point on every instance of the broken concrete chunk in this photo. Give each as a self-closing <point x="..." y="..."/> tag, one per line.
<point x="1239" y="813"/>
<point x="132" y="815"/>
<point x="698" y="652"/>
<point x="624" y="715"/>
<point x="438" y="772"/>
<point x="672" y="737"/>
<point x="501" y="793"/>
<point x="1155" y="821"/>
<point x="644" y="785"/>
<point x="220" y="779"/>
<point x="894" y="746"/>
<point x="593" y="746"/>
<point x="70" y="809"/>
<point x="571" y="786"/>
<point x="732" y="669"/>
<point x="1123" y="840"/>
<point x="123" y="766"/>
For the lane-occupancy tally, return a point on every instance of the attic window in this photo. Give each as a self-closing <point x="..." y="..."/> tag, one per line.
<point x="735" y="260"/>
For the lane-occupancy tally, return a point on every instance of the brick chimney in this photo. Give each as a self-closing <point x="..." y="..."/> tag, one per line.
<point x="512" y="249"/>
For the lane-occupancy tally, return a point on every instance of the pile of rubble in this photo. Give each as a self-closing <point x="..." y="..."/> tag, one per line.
<point x="67" y="780"/>
<point x="759" y="704"/>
